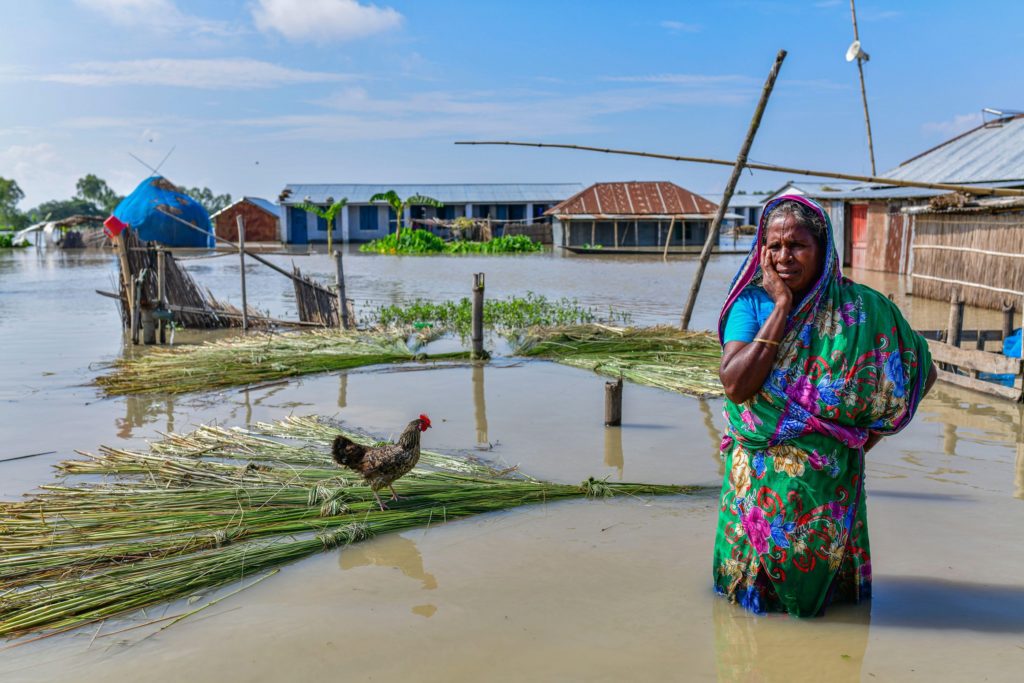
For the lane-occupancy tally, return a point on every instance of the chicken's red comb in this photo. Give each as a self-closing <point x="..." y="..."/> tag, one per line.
<point x="425" y="420"/>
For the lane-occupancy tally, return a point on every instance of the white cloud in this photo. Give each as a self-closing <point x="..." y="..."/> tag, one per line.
<point x="39" y="169"/>
<point x="159" y="15"/>
<point x="235" y="74"/>
<point x="680" y="26"/>
<point x="321" y="21"/>
<point x="958" y="124"/>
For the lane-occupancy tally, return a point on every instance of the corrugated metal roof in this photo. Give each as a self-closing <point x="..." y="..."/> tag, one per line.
<point x="264" y="204"/>
<point x="988" y="153"/>
<point x="882" y="192"/>
<point x="454" y="193"/>
<point x="654" y="198"/>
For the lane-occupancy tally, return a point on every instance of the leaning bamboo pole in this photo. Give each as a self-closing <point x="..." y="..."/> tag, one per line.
<point x="969" y="189"/>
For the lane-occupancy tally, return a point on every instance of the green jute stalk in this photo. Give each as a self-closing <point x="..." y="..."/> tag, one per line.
<point x="202" y="510"/>
<point x="666" y="358"/>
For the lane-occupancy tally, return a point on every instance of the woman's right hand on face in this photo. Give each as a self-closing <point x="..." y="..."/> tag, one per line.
<point x="773" y="285"/>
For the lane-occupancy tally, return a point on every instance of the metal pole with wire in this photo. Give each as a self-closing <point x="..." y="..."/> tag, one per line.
<point x="855" y="52"/>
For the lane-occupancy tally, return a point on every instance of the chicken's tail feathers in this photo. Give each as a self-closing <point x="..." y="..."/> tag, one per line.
<point x="347" y="452"/>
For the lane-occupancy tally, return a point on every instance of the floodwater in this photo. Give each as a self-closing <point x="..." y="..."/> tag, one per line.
<point x="580" y="590"/>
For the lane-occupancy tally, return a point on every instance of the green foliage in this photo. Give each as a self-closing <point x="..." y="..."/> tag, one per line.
<point x="56" y="209"/>
<point x="7" y="240"/>
<point x="10" y="195"/>
<point x="509" y="244"/>
<point x="425" y="242"/>
<point x="96" y="190"/>
<point x="407" y="242"/>
<point x="398" y="205"/>
<point x="210" y="201"/>
<point x="504" y="315"/>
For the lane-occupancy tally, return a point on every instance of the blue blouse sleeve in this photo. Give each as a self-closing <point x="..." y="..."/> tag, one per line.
<point x="746" y="316"/>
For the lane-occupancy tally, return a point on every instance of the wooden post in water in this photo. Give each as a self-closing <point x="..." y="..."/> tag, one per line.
<point x="671" y="225"/>
<point x="741" y="161"/>
<point x="956" y="319"/>
<point x="241" y="259"/>
<point x="613" y="403"/>
<point x="478" y="317"/>
<point x="161" y="291"/>
<point x="340" y="274"/>
<point x="1008" y="312"/>
<point x="135" y="317"/>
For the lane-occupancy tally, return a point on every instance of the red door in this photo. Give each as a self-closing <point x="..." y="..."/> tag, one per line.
<point x="859" y="234"/>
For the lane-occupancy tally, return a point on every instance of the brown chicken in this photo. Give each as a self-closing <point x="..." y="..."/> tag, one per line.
<point x="382" y="465"/>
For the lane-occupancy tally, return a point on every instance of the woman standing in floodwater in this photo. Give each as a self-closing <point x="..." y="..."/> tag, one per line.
<point x="816" y="370"/>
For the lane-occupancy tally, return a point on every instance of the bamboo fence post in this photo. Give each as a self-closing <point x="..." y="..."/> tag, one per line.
<point x="671" y="225"/>
<point x="956" y="319"/>
<point x="240" y="221"/>
<point x="741" y="161"/>
<point x="340" y="275"/>
<point x="161" y="291"/>
<point x="478" y="317"/>
<point x="613" y="403"/>
<point x="148" y="321"/>
<point x="134" y="295"/>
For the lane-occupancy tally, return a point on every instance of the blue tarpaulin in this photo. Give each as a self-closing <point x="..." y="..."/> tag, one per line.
<point x="140" y="211"/>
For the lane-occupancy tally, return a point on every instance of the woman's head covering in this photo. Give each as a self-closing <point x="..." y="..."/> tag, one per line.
<point x="751" y="268"/>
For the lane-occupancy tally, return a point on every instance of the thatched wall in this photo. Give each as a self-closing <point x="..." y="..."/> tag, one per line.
<point x="260" y="226"/>
<point x="959" y="261"/>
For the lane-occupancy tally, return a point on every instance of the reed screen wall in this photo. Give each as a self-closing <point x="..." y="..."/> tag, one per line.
<point x="979" y="254"/>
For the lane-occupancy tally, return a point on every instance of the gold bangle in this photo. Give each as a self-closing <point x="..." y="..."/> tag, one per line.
<point x="766" y="341"/>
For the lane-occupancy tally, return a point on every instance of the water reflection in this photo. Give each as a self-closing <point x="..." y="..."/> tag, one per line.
<point x="480" y="405"/>
<point x="1018" y="480"/>
<point x="768" y="648"/>
<point x="713" y="434"/>
<point x="141" y="410"/>
<point x="393" y="551"/>
<point x="613" y="456"/>
<point x="343" y="390"/>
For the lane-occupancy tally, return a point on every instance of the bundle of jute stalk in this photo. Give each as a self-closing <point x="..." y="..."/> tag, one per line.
<point x="219" y="505"/>
<point x="663" y="357"/>
<point x="256" y="358"/>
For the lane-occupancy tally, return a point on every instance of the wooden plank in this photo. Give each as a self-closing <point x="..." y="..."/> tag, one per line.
<point x="965" y="335"/>
<point x="991" y="388"/>
<point x="974" y="360"/>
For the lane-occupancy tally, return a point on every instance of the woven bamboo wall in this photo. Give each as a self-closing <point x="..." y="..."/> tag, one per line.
<point x="1002" y="233"/>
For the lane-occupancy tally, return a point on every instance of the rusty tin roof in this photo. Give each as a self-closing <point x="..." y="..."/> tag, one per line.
<point x="635" y="198"/>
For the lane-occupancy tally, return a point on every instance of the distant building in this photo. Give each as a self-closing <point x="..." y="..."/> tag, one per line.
<point x="361" y="220"/>
<point x="262" y="220"/>
<point x="633" y="216"/>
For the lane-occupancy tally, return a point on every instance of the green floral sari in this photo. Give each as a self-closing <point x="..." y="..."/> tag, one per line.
<point x="792" y="526"/>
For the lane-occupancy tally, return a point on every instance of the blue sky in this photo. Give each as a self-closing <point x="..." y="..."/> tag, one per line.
<point x="255" y="94"/>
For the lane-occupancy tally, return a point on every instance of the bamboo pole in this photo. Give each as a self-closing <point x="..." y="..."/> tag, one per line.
<point x="893" y="182"/>
<point x="161" y="291"/>
<point x="340" y="276"/>
<point x="956" y="319"/>
<point x="613" y="403"/>
<point x="737" y="169"/>
<point x="863" y="91"/>
<point x="241" y="259"/>
<point x="478" y="317"/>
<point x="671" y="225"/>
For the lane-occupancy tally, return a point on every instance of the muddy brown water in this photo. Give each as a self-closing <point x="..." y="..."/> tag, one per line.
<point x="584" y="590"/>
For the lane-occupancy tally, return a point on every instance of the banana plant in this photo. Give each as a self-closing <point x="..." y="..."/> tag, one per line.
<point x="398" y="205"/>
<point x="330" y="214"/>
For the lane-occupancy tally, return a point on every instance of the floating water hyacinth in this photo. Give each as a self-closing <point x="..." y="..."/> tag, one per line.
<point x="219" y="505"/>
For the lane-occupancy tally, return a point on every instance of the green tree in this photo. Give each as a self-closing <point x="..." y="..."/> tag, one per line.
<point x="328" y="213"/>
<point x="210" y="201"/>
<point x="96" y="190"/>
<point x="398" y="205"/>
<point x="10" y="195"/>
<point x="56" y="209"/>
